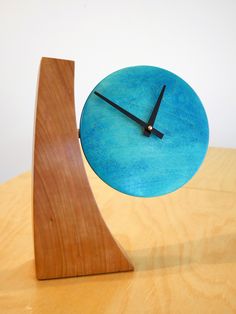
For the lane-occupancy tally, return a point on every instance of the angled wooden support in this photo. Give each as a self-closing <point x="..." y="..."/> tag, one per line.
<point x="70" y="236"/>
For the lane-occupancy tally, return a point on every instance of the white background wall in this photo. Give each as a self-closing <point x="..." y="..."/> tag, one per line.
<point x="193" y="38"/>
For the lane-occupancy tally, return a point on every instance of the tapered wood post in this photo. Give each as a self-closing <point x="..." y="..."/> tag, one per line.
<point x="70" y="236"/>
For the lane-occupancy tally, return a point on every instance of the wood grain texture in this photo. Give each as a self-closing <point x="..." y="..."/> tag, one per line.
<point x="212" y="177"/>
<point x="71" y="238"/>
<point x="182" y="245"/>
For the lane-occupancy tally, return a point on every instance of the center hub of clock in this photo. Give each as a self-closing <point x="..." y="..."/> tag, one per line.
<point x="149" y="128"/>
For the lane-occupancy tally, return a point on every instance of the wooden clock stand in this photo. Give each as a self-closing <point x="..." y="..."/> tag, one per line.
<point x="70" y="235"/>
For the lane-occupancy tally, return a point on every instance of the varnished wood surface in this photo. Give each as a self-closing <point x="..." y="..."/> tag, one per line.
<point x="183" y="247"/>
<point x="71" y="238"/>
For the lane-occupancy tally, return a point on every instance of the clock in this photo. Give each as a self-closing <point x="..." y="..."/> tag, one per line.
<point x="144" y="131"/>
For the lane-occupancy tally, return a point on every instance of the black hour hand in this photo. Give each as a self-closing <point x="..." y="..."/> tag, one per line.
<point x="152" y="118"/>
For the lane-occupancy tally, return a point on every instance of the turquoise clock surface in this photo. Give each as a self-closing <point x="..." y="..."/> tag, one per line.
<point x="136" y="157"/>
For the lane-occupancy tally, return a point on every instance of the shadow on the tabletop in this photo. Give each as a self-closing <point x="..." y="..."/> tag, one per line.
<point x="215" y="250"/>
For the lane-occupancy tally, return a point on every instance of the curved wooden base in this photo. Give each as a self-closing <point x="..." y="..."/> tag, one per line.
<point x="70" y="236"/>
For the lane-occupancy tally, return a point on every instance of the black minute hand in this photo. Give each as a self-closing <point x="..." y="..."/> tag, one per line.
<point x="128" y="114"/>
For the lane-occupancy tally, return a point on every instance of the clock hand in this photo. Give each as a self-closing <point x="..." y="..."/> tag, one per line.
<point x="152" y="118"/>
<point x="128" y="114"/>
<point x="157" y="133"/>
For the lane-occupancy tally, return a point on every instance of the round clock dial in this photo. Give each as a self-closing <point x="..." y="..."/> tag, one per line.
<point x="144" y="131"/>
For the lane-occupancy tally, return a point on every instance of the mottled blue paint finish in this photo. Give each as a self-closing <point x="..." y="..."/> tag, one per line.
<point x="115" y="146"/>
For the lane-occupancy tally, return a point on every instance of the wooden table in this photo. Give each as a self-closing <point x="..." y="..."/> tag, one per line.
<point x="183" y="246"/>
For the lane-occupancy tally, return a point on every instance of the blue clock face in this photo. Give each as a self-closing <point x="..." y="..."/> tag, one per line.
<point x="144" y="131"/>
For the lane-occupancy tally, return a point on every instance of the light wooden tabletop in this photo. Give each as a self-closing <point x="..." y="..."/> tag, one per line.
<point x="183" y="247"/>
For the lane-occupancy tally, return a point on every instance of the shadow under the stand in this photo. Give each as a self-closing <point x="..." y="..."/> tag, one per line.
<point x="215" y="250"/>
<point x="172" y="259"/>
